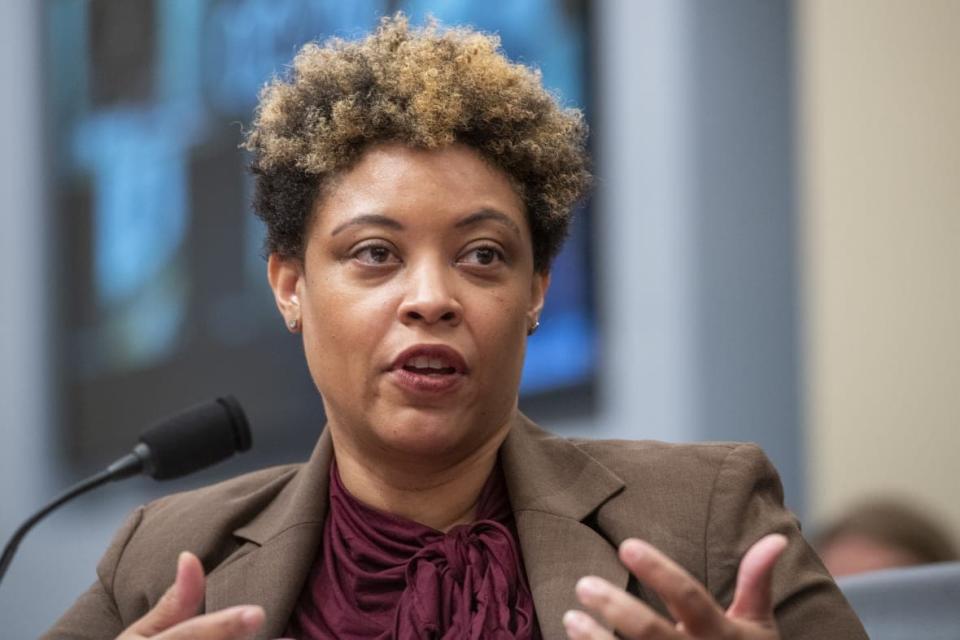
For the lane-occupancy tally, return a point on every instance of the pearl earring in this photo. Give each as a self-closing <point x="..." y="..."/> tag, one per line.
<point x="294" y="322"/>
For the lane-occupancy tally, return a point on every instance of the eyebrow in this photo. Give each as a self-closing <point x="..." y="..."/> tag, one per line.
<point x="374" y="219"/>
<point x="380" y="220"/>
<point x="485" y="215"/>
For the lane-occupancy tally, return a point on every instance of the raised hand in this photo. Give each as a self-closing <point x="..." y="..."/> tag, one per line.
<point x="697" y="615"/>
<point x="175" y="615"/>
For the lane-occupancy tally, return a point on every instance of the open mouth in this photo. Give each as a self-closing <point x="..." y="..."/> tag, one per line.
<point x="429" y="369"/>
<point x="428" y="366"/>
<point x="430" y="360"/>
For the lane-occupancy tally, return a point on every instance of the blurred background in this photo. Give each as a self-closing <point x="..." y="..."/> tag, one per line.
<point x="772" y="251"/>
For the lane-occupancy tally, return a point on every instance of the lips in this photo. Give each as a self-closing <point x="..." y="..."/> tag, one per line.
<point x="431" y="359"/>
<point x="428" y="369"/>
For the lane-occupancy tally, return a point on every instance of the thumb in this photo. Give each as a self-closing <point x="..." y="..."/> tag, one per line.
<point x="752" y="599"/>
<point x="180" y="602"/>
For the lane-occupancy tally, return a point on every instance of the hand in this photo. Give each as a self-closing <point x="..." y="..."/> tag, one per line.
<point x="750" y="617"/>
<point x="175" y="615"/>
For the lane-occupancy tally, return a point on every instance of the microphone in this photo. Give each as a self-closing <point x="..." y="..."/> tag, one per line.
<point x="186" y="442"/>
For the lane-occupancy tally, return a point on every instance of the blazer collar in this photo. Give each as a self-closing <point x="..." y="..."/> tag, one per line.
<point x="554" y="486"/>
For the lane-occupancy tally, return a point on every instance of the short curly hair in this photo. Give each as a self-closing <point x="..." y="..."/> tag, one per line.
<point x="425" y="87"/>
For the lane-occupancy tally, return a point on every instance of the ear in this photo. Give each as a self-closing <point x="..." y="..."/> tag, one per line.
<point x="285" y="275"/>
<point x="538" y="294"/>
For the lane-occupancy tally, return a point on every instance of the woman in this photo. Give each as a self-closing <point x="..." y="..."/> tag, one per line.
<point x="416" y="186"/>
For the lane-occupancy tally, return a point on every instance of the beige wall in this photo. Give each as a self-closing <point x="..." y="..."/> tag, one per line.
<point x="879" y="120"/>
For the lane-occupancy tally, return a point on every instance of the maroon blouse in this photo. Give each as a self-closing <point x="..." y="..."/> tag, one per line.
<point x="385" y="577"/>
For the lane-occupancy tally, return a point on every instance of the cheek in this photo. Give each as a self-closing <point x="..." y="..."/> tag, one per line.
<point x="501" y="323"/>
<point x="341" y="329"/>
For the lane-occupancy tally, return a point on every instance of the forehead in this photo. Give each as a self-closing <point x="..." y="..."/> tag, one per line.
<point x="419" y="186"/>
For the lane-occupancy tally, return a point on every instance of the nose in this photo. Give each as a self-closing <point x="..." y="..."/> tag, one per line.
<point x="430" y="297"/>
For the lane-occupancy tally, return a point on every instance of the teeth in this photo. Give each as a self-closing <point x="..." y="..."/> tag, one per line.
<point x="425" y="362"/>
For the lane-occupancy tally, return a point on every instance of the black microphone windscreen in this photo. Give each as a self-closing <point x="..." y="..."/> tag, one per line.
<point x="196" y="438"/>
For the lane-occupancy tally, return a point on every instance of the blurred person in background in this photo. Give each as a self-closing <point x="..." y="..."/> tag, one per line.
<point x="415" y="186"/>
<point x="883" y="534"/>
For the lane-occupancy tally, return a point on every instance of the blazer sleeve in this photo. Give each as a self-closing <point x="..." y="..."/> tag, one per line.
<point x="95" y="615"/>
<point x="746" y="504"/>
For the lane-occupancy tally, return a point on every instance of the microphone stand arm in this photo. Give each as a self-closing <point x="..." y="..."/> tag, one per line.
<point x="129" y="465"/>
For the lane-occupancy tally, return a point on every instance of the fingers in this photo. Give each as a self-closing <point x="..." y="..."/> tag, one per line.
<point x="630" y="617"/>
<point x="236" y="623"/>
<point x="695" y="610"/>
<point x="580" y="626"/>
<point x="180" y="602"/>
<point x="175" y="615"/>
<point x="753" y="599"/>
<point x="684" y="596"/>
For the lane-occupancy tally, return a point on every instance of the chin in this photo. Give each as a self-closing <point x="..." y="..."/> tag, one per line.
<point x="432" y="433"/>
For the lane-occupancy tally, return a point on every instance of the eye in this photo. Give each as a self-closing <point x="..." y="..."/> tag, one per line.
<point x="375" y="255"/>
<point x="483" y="256"/>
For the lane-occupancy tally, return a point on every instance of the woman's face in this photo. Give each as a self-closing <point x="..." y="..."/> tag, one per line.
<point x="415" y="296"/>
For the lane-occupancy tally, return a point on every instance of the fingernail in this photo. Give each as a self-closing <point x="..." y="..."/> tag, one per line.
<point x="252" y="617"/>
<point x="575" y="621"/>
<point x="181" y="561"/>
<point x="633" y="548"/>
<point x="590" y="587"/>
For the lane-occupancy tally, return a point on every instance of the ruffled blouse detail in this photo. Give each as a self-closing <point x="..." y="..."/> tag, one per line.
<point x="383" y="577"/>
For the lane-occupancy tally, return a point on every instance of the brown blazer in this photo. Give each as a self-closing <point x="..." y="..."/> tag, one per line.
<point x="574" y="501"/>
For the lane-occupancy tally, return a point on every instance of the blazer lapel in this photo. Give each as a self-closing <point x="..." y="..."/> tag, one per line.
<point x="554" y="487"/>
<point x="280" y="547"/>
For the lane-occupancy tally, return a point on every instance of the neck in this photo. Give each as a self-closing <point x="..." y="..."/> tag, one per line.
<point x="439" y="496"/>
